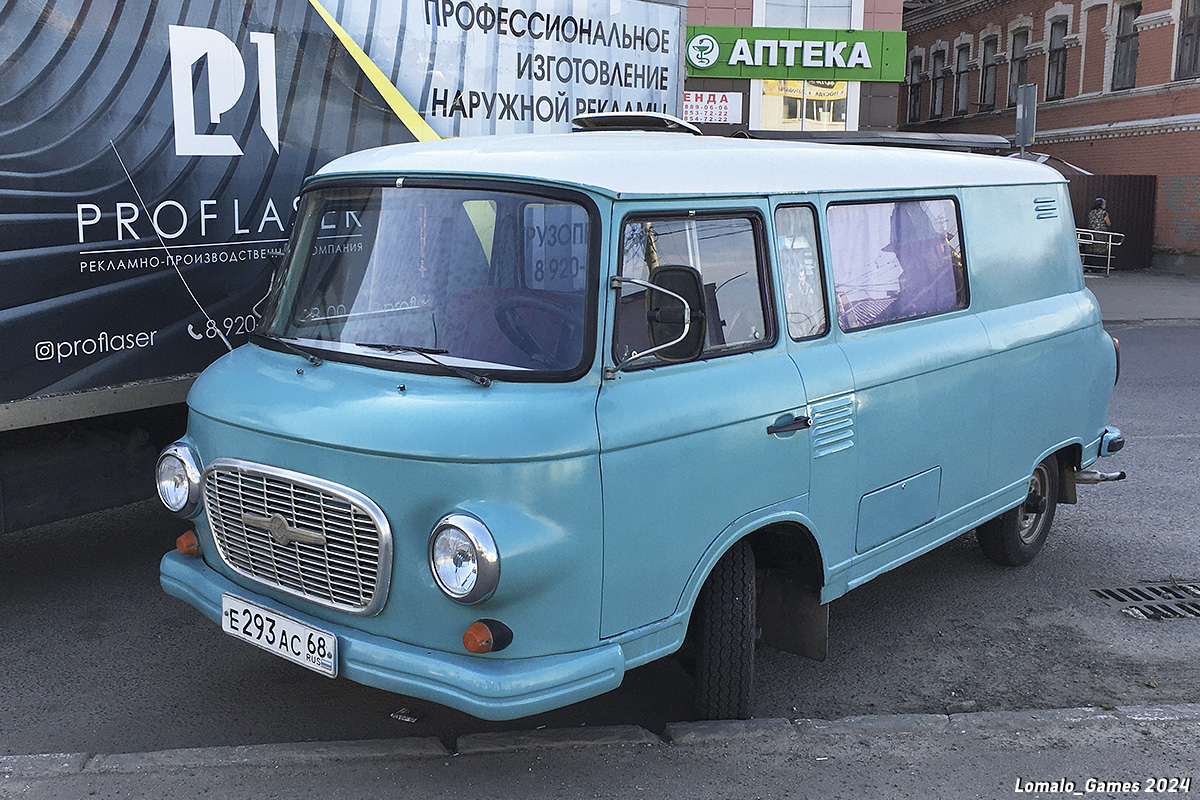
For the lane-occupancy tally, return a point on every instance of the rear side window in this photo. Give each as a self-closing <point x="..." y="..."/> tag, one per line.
<point x="893" y="261"/>
<point x="800" y="271"/>
<point x="726" y="251"/>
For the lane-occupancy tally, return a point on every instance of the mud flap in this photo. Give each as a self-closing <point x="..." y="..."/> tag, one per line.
<point x="1066" y="485"/>
<point x="792" y="617"/>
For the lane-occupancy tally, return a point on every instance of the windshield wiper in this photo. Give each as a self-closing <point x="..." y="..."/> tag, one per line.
<point x="429" y="353"/>
<point x="307" y="356"/>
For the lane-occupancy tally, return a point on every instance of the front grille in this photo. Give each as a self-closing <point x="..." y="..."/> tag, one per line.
<point x="300" y="534"/>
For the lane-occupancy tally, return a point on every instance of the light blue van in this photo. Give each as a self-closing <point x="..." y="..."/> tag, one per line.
<point x="525" y="413"/>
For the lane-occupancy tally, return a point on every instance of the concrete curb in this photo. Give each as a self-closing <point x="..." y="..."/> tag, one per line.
<point x="554" y="738"/>
<point x="769" y="733"/>
<point x="1164" y="321"/>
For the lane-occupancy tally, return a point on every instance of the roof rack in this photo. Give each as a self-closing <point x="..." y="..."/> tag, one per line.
<point x="946" y="141"/>
<point x="632" y="121"/>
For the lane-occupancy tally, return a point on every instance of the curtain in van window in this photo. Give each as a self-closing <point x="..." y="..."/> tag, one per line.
<point x="894" y="261"/>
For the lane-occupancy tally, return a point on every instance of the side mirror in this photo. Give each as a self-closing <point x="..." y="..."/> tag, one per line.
<point x="675" y="313"/>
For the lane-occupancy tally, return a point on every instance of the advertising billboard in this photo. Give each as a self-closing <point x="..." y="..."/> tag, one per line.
<point x="152" y="151"/>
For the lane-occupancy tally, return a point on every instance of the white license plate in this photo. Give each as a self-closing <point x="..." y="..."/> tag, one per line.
<point x="285" y="637"/>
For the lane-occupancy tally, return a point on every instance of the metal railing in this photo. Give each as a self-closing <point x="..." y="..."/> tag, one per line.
<point x="1096" y="248"/>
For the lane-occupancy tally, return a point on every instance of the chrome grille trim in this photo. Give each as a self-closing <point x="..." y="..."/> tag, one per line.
<point x="350" y="571"/>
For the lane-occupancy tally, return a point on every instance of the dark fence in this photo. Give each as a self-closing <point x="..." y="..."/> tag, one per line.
<point x="1131" y="207"/>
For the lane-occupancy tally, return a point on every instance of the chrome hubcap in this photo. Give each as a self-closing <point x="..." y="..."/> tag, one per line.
<point x="1030" y="523"/>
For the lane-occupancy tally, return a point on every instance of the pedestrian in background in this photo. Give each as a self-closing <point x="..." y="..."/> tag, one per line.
<point x="1098" y="220"/>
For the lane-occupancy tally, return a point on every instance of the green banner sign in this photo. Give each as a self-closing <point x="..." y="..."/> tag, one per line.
<point x="720" y="51"/>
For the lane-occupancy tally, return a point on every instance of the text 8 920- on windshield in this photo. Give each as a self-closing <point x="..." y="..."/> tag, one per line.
<point x="479" y="279"/>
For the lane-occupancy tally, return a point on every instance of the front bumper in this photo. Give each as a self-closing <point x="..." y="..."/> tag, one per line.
<point x="489" y="688"/>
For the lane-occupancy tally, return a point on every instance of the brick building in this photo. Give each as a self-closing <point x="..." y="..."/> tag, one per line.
<point x="1118" y="90"/>
<point x="798" y="105"/>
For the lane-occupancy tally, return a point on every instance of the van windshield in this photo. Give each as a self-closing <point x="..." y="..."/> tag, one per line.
<point x="485" y="280"/>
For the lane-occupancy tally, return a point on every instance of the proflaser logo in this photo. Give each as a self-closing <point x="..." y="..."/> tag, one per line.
<point x="226" y="78"/>
<point x="100" y="344"/>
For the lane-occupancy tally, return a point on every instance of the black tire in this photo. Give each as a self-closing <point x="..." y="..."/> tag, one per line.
<point x="1016" y="536"/>
<point x="725" y="637"/>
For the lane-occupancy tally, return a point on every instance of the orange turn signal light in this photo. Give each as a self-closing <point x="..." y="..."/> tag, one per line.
<point x="188" y="543"/>
<point x="487" y="636"/>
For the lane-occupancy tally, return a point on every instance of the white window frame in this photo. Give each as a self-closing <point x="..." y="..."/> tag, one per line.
<point x="967" y="41"/>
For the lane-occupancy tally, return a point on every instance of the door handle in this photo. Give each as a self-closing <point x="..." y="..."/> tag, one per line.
<point x="797" y="424"/>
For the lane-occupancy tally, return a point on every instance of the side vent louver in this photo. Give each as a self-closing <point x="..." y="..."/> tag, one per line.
<point x="833" y="425"/>
<point x="1045" y="208"/>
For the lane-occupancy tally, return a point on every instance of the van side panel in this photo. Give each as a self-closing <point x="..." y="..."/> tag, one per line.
<point x="1053" y="366"/>
<point x="1020" y="244"/>
<point x="924" y="409"/>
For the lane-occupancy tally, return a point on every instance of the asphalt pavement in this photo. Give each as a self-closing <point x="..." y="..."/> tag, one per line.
<point x="1103" y="752"/>
<point x="1074" y="752"/>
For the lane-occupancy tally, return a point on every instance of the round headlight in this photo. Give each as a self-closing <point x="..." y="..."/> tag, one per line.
<point x="464" y="559"/>
<point x="178" y="478"/>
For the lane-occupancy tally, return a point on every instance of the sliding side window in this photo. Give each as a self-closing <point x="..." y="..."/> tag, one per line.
<point x="896" y="260"/>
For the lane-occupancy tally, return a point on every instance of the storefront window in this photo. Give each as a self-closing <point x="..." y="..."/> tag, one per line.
<point x="790" y="105"/>
<point x="804" y="105"/>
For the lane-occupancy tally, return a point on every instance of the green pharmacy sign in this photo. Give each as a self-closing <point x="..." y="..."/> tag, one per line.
<point x="718" y="51"/>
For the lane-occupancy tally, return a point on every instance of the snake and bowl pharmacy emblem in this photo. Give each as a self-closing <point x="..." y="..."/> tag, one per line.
<point x="703" y="50"/>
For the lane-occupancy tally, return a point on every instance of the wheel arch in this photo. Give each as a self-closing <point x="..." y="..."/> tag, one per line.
<point x="790" y="573"/>
<point x="784" y="543"/>
<point x="790" y="547"/>
<point x="1070" y="461"/>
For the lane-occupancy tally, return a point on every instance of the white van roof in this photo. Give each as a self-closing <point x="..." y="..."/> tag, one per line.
<point x="640" y="164"/>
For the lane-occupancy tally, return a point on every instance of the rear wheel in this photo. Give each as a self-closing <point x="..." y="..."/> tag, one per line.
<point x="726" y="631"/>
<point x="1017" y="535"/>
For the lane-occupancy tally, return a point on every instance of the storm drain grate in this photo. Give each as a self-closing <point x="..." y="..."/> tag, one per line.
<point x="1172" y="600"/>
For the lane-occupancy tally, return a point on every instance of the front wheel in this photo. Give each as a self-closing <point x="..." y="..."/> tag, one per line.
<point x="1016" y="536"/>
<point x="725" y="637"/>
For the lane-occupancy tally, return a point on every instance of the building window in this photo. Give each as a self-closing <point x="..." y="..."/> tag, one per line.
<point x="1056" y="72"/>
<point x="987" y="77"/>
<point x="1018" y="65"/>
<point x="961" y="79"/>
<point x="937" y="92"/>
<point x="1125" y="56"/>
<point x="1189" y="40"/>
<point x="914" y="88"/>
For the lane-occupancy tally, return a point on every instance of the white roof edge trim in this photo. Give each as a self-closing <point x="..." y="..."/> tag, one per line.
<point x="667" y="164"/>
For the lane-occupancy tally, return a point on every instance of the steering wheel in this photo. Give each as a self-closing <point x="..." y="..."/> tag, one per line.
<point x="508" y="317"/>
